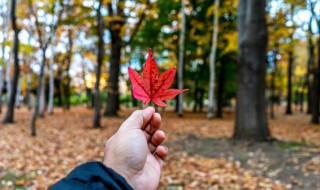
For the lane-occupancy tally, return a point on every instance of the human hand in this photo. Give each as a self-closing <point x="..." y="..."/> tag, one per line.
<point x="135" y="151"/>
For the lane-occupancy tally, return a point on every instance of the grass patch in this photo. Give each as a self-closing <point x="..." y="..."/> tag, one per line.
<point x="14" y="181"/>
<point x="291" y="145"/>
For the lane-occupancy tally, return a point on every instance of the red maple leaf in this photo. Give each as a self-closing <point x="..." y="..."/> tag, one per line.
<point x="151" y="86"/>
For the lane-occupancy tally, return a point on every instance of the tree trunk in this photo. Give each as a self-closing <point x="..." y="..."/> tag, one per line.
<point x="67" y="79"/>
<point x="181" y="57"/>
<point x="289" y="87"/>
<point x="42" y="101"/>
<point x="315" y="98"/>
<point x="28" y="93"/>
<point x="2" y="74"/>
<point x="220" y="95"/>
<point x="8" y="78"/>
<point x="51" y="79"/>
<point x="273" y="82"/>
<point x="201" y="100"/>
<point x="40" y="85"/>
<point x="113" y="80"/>
<point x="5" y="25"/>
<point x="17" y="105"/>
<point x="213" y="59"/>
<point x="58" y="86"/>
<point x="9" y="117"/>
<point x="309" y="65"/>
<point x="100" y="28"/>
<point x="316" y="87"/>
<point x="195" y="97"/>
<point x="251" y="120"/>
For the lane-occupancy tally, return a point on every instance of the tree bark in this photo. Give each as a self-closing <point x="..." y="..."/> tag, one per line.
<point x="2" y="74"/>
<point x="100" y="28"/>
<point x="39" y="90"/>
<point x="181" y="57"/>
<point x="28" y="93"/>
<point x="9" y="117"/>
<point x="67" y="79"/>
<point x="309" y="65"/>
<point x="220" y="95"/>
<point x="213" y="59"/>
<point x="51" y="79"/>
<point x="42" y="101"/>
<point x="273" y="82"/>
<point x="316" y="94"/>
<point x="5" y="20"/>
<point x="195" y="97"/>
<point x="316" y="89"/>
<point x="202" y="91"/>
<point x="113" y="80"/>
<point x="289" y="87"/>
<point x="251" y="119"/>
<point x="17" y="105"/>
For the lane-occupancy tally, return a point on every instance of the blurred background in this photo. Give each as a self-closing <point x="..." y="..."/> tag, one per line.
<point x="250" y="119"/>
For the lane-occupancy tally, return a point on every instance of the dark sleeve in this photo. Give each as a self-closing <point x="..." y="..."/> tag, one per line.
<point x="92" y="175"/>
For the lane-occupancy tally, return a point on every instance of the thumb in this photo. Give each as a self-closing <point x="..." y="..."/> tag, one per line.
<point x="138" y="119"/>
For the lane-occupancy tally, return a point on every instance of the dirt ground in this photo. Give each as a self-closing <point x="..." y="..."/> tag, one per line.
<point x="202" y="156"/>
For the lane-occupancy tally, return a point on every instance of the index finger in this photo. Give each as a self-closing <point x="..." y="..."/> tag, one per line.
<point x="139" y="119"/>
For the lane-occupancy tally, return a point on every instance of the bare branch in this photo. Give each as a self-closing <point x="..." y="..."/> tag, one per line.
<point x="137" y="27"/>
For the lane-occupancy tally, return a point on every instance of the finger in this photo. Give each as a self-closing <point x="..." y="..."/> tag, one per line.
<point x="156" y="139"/>
<point x="161" y="154"/>
<point x="139" y="119"/>
<point x="153" y="126"/>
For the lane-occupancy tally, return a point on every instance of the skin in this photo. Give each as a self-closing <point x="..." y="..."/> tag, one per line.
<point x="135" y="151"/>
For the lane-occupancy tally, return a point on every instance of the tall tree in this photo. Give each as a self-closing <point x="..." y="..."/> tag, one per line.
<point x="213" y="59"/>
<point x="5" y="63"/>
<point x="2" y="74"/>
<point x="44" y="42"/>
<point x="116" y="27"/>
<point x="309" y="65"/>
<point x="9" y="117"/>
<point x="96" y="117"/>
<point x="251" y="119"/>
<point x="290" y="65"/>
<point x="181" y="56"/>
<point x="316" y="78"/>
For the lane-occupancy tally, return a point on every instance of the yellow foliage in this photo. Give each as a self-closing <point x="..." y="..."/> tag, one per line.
<point x="232" y="42"/>
<point x="90" y="55"/>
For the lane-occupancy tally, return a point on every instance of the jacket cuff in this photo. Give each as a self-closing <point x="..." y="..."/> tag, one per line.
<point x="92" y="175"/>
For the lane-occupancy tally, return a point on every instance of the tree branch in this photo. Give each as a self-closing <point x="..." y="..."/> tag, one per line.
<point x="137" y="27"/>
<point x="32" y="12"/>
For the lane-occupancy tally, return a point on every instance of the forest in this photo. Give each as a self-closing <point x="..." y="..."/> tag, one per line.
<point x="248" y="120"/>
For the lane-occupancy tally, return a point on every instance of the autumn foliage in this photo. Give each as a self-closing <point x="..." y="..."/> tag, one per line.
<point x="151" y="86"/>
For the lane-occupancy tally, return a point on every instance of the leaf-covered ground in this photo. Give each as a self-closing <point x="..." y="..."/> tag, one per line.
<point x="201" y="155"/>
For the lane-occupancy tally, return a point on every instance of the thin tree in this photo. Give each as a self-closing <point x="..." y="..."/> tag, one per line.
<point x="9" y="117"/>
<point x="100" y="28"/>
<point x="309" y="65"/>
<point x="181" y="56"/>
<point x="251" y="119"/>
<point x="290" y="65"/>
<point x="273" y="81"/>
<point x="316" y="85"/>
<point x="4" y="12"/>
<point x="43" y="46"/>
<point x="213" y="59"/>
<point x="51" y="74"/>
<point x="2" y="74"/>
